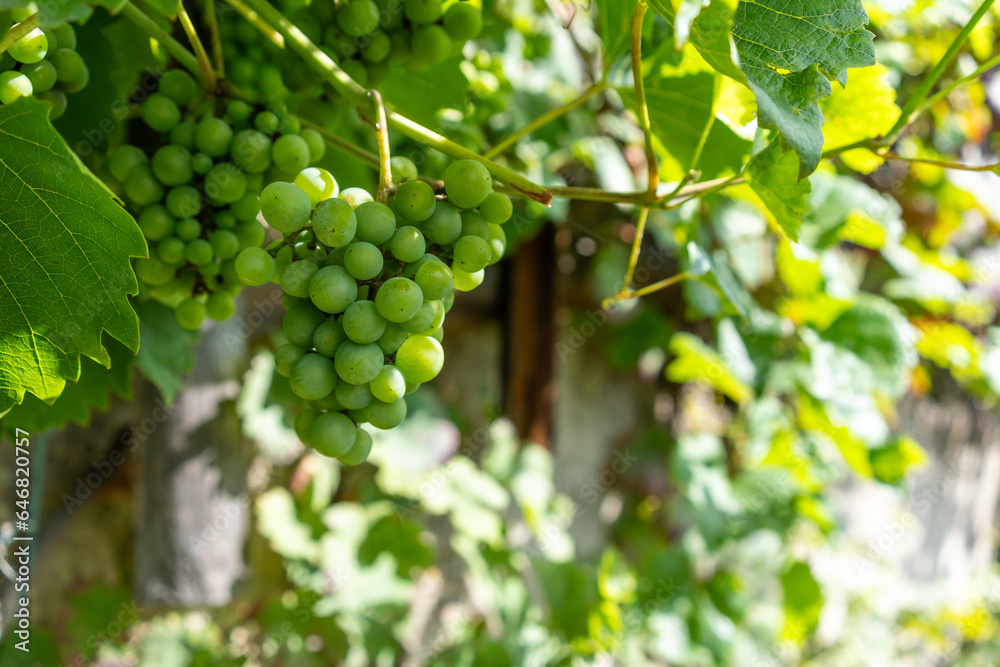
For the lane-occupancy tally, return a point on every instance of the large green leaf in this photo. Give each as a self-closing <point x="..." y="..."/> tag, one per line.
<point x="66" y="245"/>
<point x="165" y="348"/>
<point x="774" y="176"/>
<point x="420" y="95"/>
<point x="614" y="23"/>
<point x="842" y="208"/>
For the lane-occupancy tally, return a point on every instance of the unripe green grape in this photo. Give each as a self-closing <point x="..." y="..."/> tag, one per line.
<point x="31" y="48"/>
<point x="363" y="260"/>
<point x="13" y="86"/>
<point x="213" y="136"/>
<point x="65" y="36"/>
<point x="498" y="243"/>
<point x="444" y="226"/>
<point x="329" y="336"/>
<point x="225" y="183"/>
<point x="198" y="251"/>
<point x="225" y="244"/>
<point x="312" y="376"/>
<point x="438" y="307"/>
<point x="362" y="323"/>
<point x="358" y="363"/>
<point x="317" y="145"/>
<point x="187" y="229"/>
<point x="393" y="337"/>
<point x="201" y="163"/>
<point x="317" y="183"/>
<point x="329" y="402"/>
<point x="398" y="299"/>
<point x="220" y="307"/>
<point x="496" y="208"/>
<point x="303" y="424"/>
<point x="155" y="222"/>
<point x="389" y="385"/>
<point x="301" y="322"/>
<point x="382" y="415"/>
<point x="238" y="111"/>
<point x="437" y="335"/>
<point x="359" y="451"/>
<point x="463" y="21"/>
<point x="285" y="207"/>
<point x="284" y="257"/>
<point x="402" y="169"/>
<point x="378" y="48"/>
<point x="254" y="266"/>
<point x="376" y="222"/>
<point x="466" y="282"/>
<point x="356" y="196"/>
<point x="286" y="356"/>
<point x="171" y="250"/>
<point x="289" y="125"/>
<point x="142" y="188"/>
<point x="352" y="396"/>
<point x="422" y="11"/>
<point x="208" y="270"/>
<point x="333" y="289"/>
<point x="407" y="244"/>
<point x="448" y="300"/>
<point x="246" y="207"/>
<point x="356" y="70"/>
<point x="57" y="99"/>
<point x="414" y="201"/>
<point x="124" y="160"/>
<point x="333" y="434"/>
<point x="183" y="135"/>
<point x="171" y="164"/>
<point x="420" y="358"/>
<point x="42" y="75"/>
<point x="153" y="272"/>
<point x="266" y="122"/>
<point x="474" y="224"/>
<point x="183" y="201"/>
<point x="228" y="274"/>
<point x="431" y="45"/>
<point x="290" y="153"/>
<point x="288" y="301"/>
<point x="250" y="233"/>
<point x="435" y="280"/>
<point x="179" y="86"/>
<point x="420" y="322"/>
<point x="190" y="313"/>
<point x="251" y="150"/>
<point x="472" y="253"/>
<point x="159" y="111"/>
<point x="224" y="219"/>
<point x="358" y="18"/>
<point x="467" y="183"/>
<point x="335" y="222"/>
<point x="295" y="277"/>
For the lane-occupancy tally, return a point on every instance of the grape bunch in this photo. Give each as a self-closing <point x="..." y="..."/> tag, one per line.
<point x="43" y="62"/>
<point x="366" y="287"/>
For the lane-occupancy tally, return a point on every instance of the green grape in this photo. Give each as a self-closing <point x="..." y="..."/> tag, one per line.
<point x="290" y="153"/>
<point x="295" y="277"/>
<point x="465" y="281"/>
<point x="414" y="201"/>
<point x="141" y="187"/>
<point x="266" y="122"/>
<point x="356" y="196"/>
<point x="225" y="183"/>
<point x="198" y="251"/>
<point x="363" y="260"/>
<point x="254" y="266"/>
<point x="220" y="307"/>
<point x="159" y="111"/>
<point x="183" y="135"/>
<point x="328" y="336"/>
<point x="155" y="222"/>
<point x="362" y="322"/>
<point x="317" y="183"/>
<point x="246" y="207"/>
<point x="335" y="222"/>
<point x="329" y="402"/>
<point x="422" y="11"/>
<point x="172" y="165"/>
<point x="498" y="243"/>
<point x="358" y="363"/>
<point x="228" y="273"/>
<point x="448" y="300"/>
<point x="171" y="250"/>
<point x="251" y="150"/>
<point x="463" y="21"/>
<point x="57" y="100"/>
<point x="420" y="358"/>
<point x="300" y="323"/>
<point x="153" y="272"/>
<point x="359" y="451"/>
<point x="71" y="72"/>
<point x="124" y="160"/>
<point x="224" y="219"/>
<point x="376" y="222"/>
<point x="285" y="357"/>
<point x="183" y="201"/>
<point x="402" y="169"/>
<point x="392" y="338"/>
<point x="333" y="289"/>
<point x="398" y="299"/>
<point x="382" y="415"/>
<point x="389" y="385"/>
<point x="474" y="224"/>
<point x="13" y="86"/>
<point x="190" y="314"/>
<point x="42" y="75"/>
<point x="378" y="48"/>
<point x="303" y="425"/>
<point x="179" y="86"/>
<point x="496" y="208"/>
<point x="65" y="36"/>
<point x="213" y="136"/>
<point x="312" y="376"/>
<point x="407" y="244"/>
<point x="444" y="226"/>
<point x="31" y="48"/>
<point x="411" y="387"/>
<point x="188" y="229"/>
<point x="250" y="233"/>
<point x="225" y="244"/>
<point x="438" y="319"/>
<point x="238" y="111"/>
<point x="352" y="396"/>
<point x="431" y="45"/>
<point x="285" y="207"/>
<point x="282" y="259"/>
<point x="467" y="183"/>
<point x="208" y="270"/>
<point x="472" y="253"/>
<point x="290" y="125"/>
<point x="358" y="18"/>
<point x="333" y="434"/>
<point x="201" y="163"/>
<point x="420" y="322"/>
<point x="288" y="301"/>
<point x="435" y="280"/>
<point x="317" y="145"/>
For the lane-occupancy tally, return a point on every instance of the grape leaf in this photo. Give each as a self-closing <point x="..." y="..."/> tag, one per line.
<point x="803" y="601"/>
<point x="864" y="108"/>
<point x="697" y="362"/>
<point x="774" y="176"/>
<point x="164" y="348"/>
<point x="166" y="7"/>
<point x="842" y="208"/>
<point x="614" y="23"/>
<point x="421" y="94"/>
<point x="79" y="399"/>
<point x="66" y="246"/>
<point x="55" y="13"/>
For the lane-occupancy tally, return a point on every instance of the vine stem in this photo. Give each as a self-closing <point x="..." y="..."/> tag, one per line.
<point x="204" y="62"/>
<point x="382" y="139"/>
<point x="633" y="258"/>
<point x="357" y="95"/>
<point x="18" y="31"/>
<point x="941" y="163"/>
<point x="342" y="144"/>
<point x="985" y="67"/>
<point x="254" y="18"/>
<point x="648" y="289"/>
<point x="652" y="164"/>
<point x="545" y="119"/>
<point x="180" y="53"/>
<point x="212" y="21"/>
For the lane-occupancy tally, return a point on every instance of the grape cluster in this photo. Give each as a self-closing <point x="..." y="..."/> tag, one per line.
<point x="43" y="62"/>
<point x="366" y="287"/>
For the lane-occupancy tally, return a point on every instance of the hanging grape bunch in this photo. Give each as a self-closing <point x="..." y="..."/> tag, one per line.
<point x="195" y="193"/>
<point x="366" y="288"/>
<point x="40" y="62"/>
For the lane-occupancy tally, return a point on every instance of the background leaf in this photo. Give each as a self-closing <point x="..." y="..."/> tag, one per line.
<point x="165" y="348"/>
<point x="774" y="176"/>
